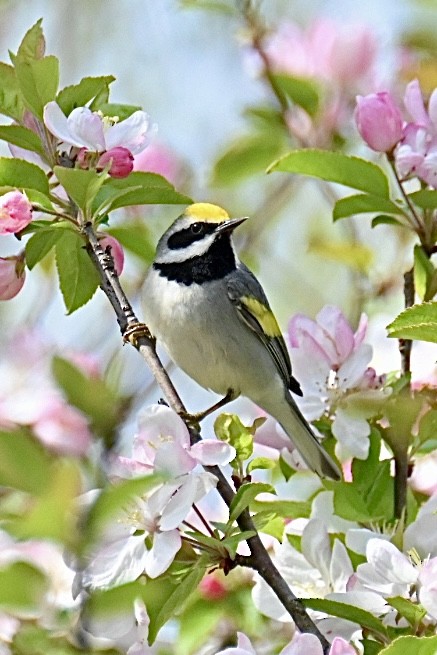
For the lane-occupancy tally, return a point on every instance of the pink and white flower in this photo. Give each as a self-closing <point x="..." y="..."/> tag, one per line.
<point x="379" y="121"/>
<point x="12" y="276"/>
<point x="331" y="363"/>
<point x="15" y="212"/>
<point x="301" y="644"/>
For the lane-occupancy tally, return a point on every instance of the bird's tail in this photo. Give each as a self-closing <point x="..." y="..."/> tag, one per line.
<point x="291" y="419"/>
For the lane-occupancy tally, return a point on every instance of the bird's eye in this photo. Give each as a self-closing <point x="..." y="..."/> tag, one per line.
<point x="196" y="228"/>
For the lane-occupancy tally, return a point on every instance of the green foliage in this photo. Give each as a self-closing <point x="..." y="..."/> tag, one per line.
<point x="11" y="102"/>
<point x="24" y="463"/>
<point x="43" y="241"/>
<point x="82" y="186"/>
<point x="113" y="109"/>
<point x="245" y="495"/>
<point x="33" y="44"/>
<point x="38" y="81"/>
<point x="79" y="95"/>
<point x="412" y="612"/>
<point x="20" y="174"/>
<point x="301" y="91"/>
<point x="425" y="275"/>
<point x="135" y="237"/>
<point x="21" y="587"/>
<point x="363" y="203"/>
<point x="247" y="156"/>
<point x="229" y="428"/>
<point x="350" y="613"/>
<point x="412" y="646"/>
<point x="91" y="395"/>
<point x="288" y="509"/>
<point x="425" y="198"/>
<point x="22" y="137"/>
<point x="335" y="167"/>
<point x="34" y="640"/>
<point x="137" y="189"/>
<point x="417" y="322"/>
<point x="77" y="276"/>
<point x="260" y="463"/>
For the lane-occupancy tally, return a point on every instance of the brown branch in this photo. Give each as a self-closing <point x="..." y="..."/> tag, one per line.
<point x="405" y="345"/>
<point x="259" y="559"/>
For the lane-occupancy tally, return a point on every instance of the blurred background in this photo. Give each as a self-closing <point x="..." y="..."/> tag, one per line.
<point x="192" y="66"/>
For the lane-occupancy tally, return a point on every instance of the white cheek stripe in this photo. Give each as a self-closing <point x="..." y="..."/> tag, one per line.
<point x="181" y="255"/>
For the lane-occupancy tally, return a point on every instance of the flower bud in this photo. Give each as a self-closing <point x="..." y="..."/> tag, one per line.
<point x="379" y="121"/>
<point x="121" y="161"/>
<point x="12" y="275"/>
<point x="15" y="212"/>
<point x="116" y="252"/>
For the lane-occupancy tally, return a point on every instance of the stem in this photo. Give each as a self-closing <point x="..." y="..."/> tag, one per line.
<point x="400" y="483"/>
<point x="416" y="222"/>
<point x="203" y="520"/>
<point x="405" y="345"/>
<point x="259" y="559"/>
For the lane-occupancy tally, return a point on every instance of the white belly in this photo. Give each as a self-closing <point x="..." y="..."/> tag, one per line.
<point x="205" y="338"/>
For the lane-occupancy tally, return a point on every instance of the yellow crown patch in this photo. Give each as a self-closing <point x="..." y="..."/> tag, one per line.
<point x="205" y="211"/>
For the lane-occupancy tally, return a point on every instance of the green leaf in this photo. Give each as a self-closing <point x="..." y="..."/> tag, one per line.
<point x="77" y="276"/>
<point x="245" y="495"/>
<point x="412" y="646"/>
<point x="349" y="612"/>
<point x="21" y="174"/>
<point x="11" y="101"/>
<point x="82" y="186"/>
<point x="350" y="253"/>
<point x="425" y="275"/>
<point x="363" y="203"/>
<point x="33" y="44"/>
<point x="290" y="509"/>
<point x="24" y="464"/>
<point x="248" y="156"/>
<point x="143" y="189"/>
<point x="425" y="198"/>
<point x="411" y="611"/>
<point x="136" y="238"/>
<point x="32" y="639"/>
<point x="52" y="515"/>
<point x="335" y="167"/>
<point x="114" y="110"/>
<point x="260" y="463"/>
<point x="350" y="505"/>
<point x="382" y="219"/>
<point x="231" y="543"/>
<point x="78" y="95"/>
<point x="91" y="395"/>
<point x="38" y="81"/>
<point x="229" y="428"/>
<point x="301" y="91"/>
<point x="177" y="599"/>
<point x="22" y="587"/>
<point x="428" y="427"/>
<point x="21" y="137"/>
<point x="42" y="242"/>
<point x="269" y="523"/>
<point x="417" y="322"/>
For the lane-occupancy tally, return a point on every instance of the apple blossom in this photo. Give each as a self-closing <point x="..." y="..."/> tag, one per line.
<point x="120" y="160"/>
<point x="12" y="276"/>
<point x="301" y="644"/>
<point x="116" y="251"/>
<point x="379" y="121"/>
<point x="331" y="363"/>
<point x="15" y="212"/>
<point x="156" y="158"/>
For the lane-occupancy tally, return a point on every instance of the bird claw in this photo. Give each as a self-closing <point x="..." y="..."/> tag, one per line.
<point x="136" y="331"/>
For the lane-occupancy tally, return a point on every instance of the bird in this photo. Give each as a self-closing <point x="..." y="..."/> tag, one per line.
<point x="211" y="315"/>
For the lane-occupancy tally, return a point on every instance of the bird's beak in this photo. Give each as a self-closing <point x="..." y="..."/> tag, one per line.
<point x="231" y="224"/>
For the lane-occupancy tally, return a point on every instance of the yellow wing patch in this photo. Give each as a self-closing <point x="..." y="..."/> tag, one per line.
<point x="263" y="315"/>
<point x="205" y="211"/>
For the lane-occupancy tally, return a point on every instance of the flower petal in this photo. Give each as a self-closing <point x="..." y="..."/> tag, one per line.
<point x="86" y="128"/>
<point x="134" y="133"/>
<point x="165" y="546"/>
<point x="211" y="452"/>
<point x="414" y="104"/>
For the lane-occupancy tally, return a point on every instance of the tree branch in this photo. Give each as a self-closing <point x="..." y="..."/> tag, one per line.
<point x="259" y="559"/>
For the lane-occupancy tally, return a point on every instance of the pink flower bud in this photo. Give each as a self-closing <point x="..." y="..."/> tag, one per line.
<point x="121" y="160"/>
<point x="15" y="212"/>
<point x="12" y="275"/>
<point x="379" y="121"/>
<point x="211" y="587"/>
<point x="116" y="252"/>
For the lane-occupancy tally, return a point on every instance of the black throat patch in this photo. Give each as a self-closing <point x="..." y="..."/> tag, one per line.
<point x="214" y="264"/>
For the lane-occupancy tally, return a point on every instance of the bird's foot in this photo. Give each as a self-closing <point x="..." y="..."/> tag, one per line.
<point x="135" y="331"/>
<point x="195" y="419"/>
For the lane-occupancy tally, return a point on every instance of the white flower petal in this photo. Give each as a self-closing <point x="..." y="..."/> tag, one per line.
<point x="357" y="540"/>
<point x="341" y="568"/>
<point x="165" y="546"/>
<point x="86" y="128"/>
<point x="116" y="563"/>
<point x="133" y="133"/>
<point x="56" y="123"/>
<point x="316" y="546"/>
<point x="211" y="452"/>
<point x="352" y="432"/>
<point x="422" y="535"/>
<point x="353" y="368"/>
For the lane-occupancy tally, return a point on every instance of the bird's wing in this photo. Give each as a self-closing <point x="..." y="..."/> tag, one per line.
<point x="249" y="299"/>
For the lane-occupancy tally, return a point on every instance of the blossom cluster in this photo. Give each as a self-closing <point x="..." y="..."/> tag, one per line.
<point x="412" y="142"/>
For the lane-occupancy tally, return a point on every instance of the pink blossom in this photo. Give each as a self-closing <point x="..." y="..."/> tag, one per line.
<point x="161" y="160"/>
<point x="211" y="587"/>
<point x="116" y="252"/>
<point x="379" y="121"/>
<point x="62" y="428"/>
<point x="87" y="129"/>
<point x="331" y="361"/>
<point x="424" y="476"/>
<point x="12" y="276"/>
<point x="15" y="212"/>
<point x="428" y="586"/>
<point x="120" y="160"/>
